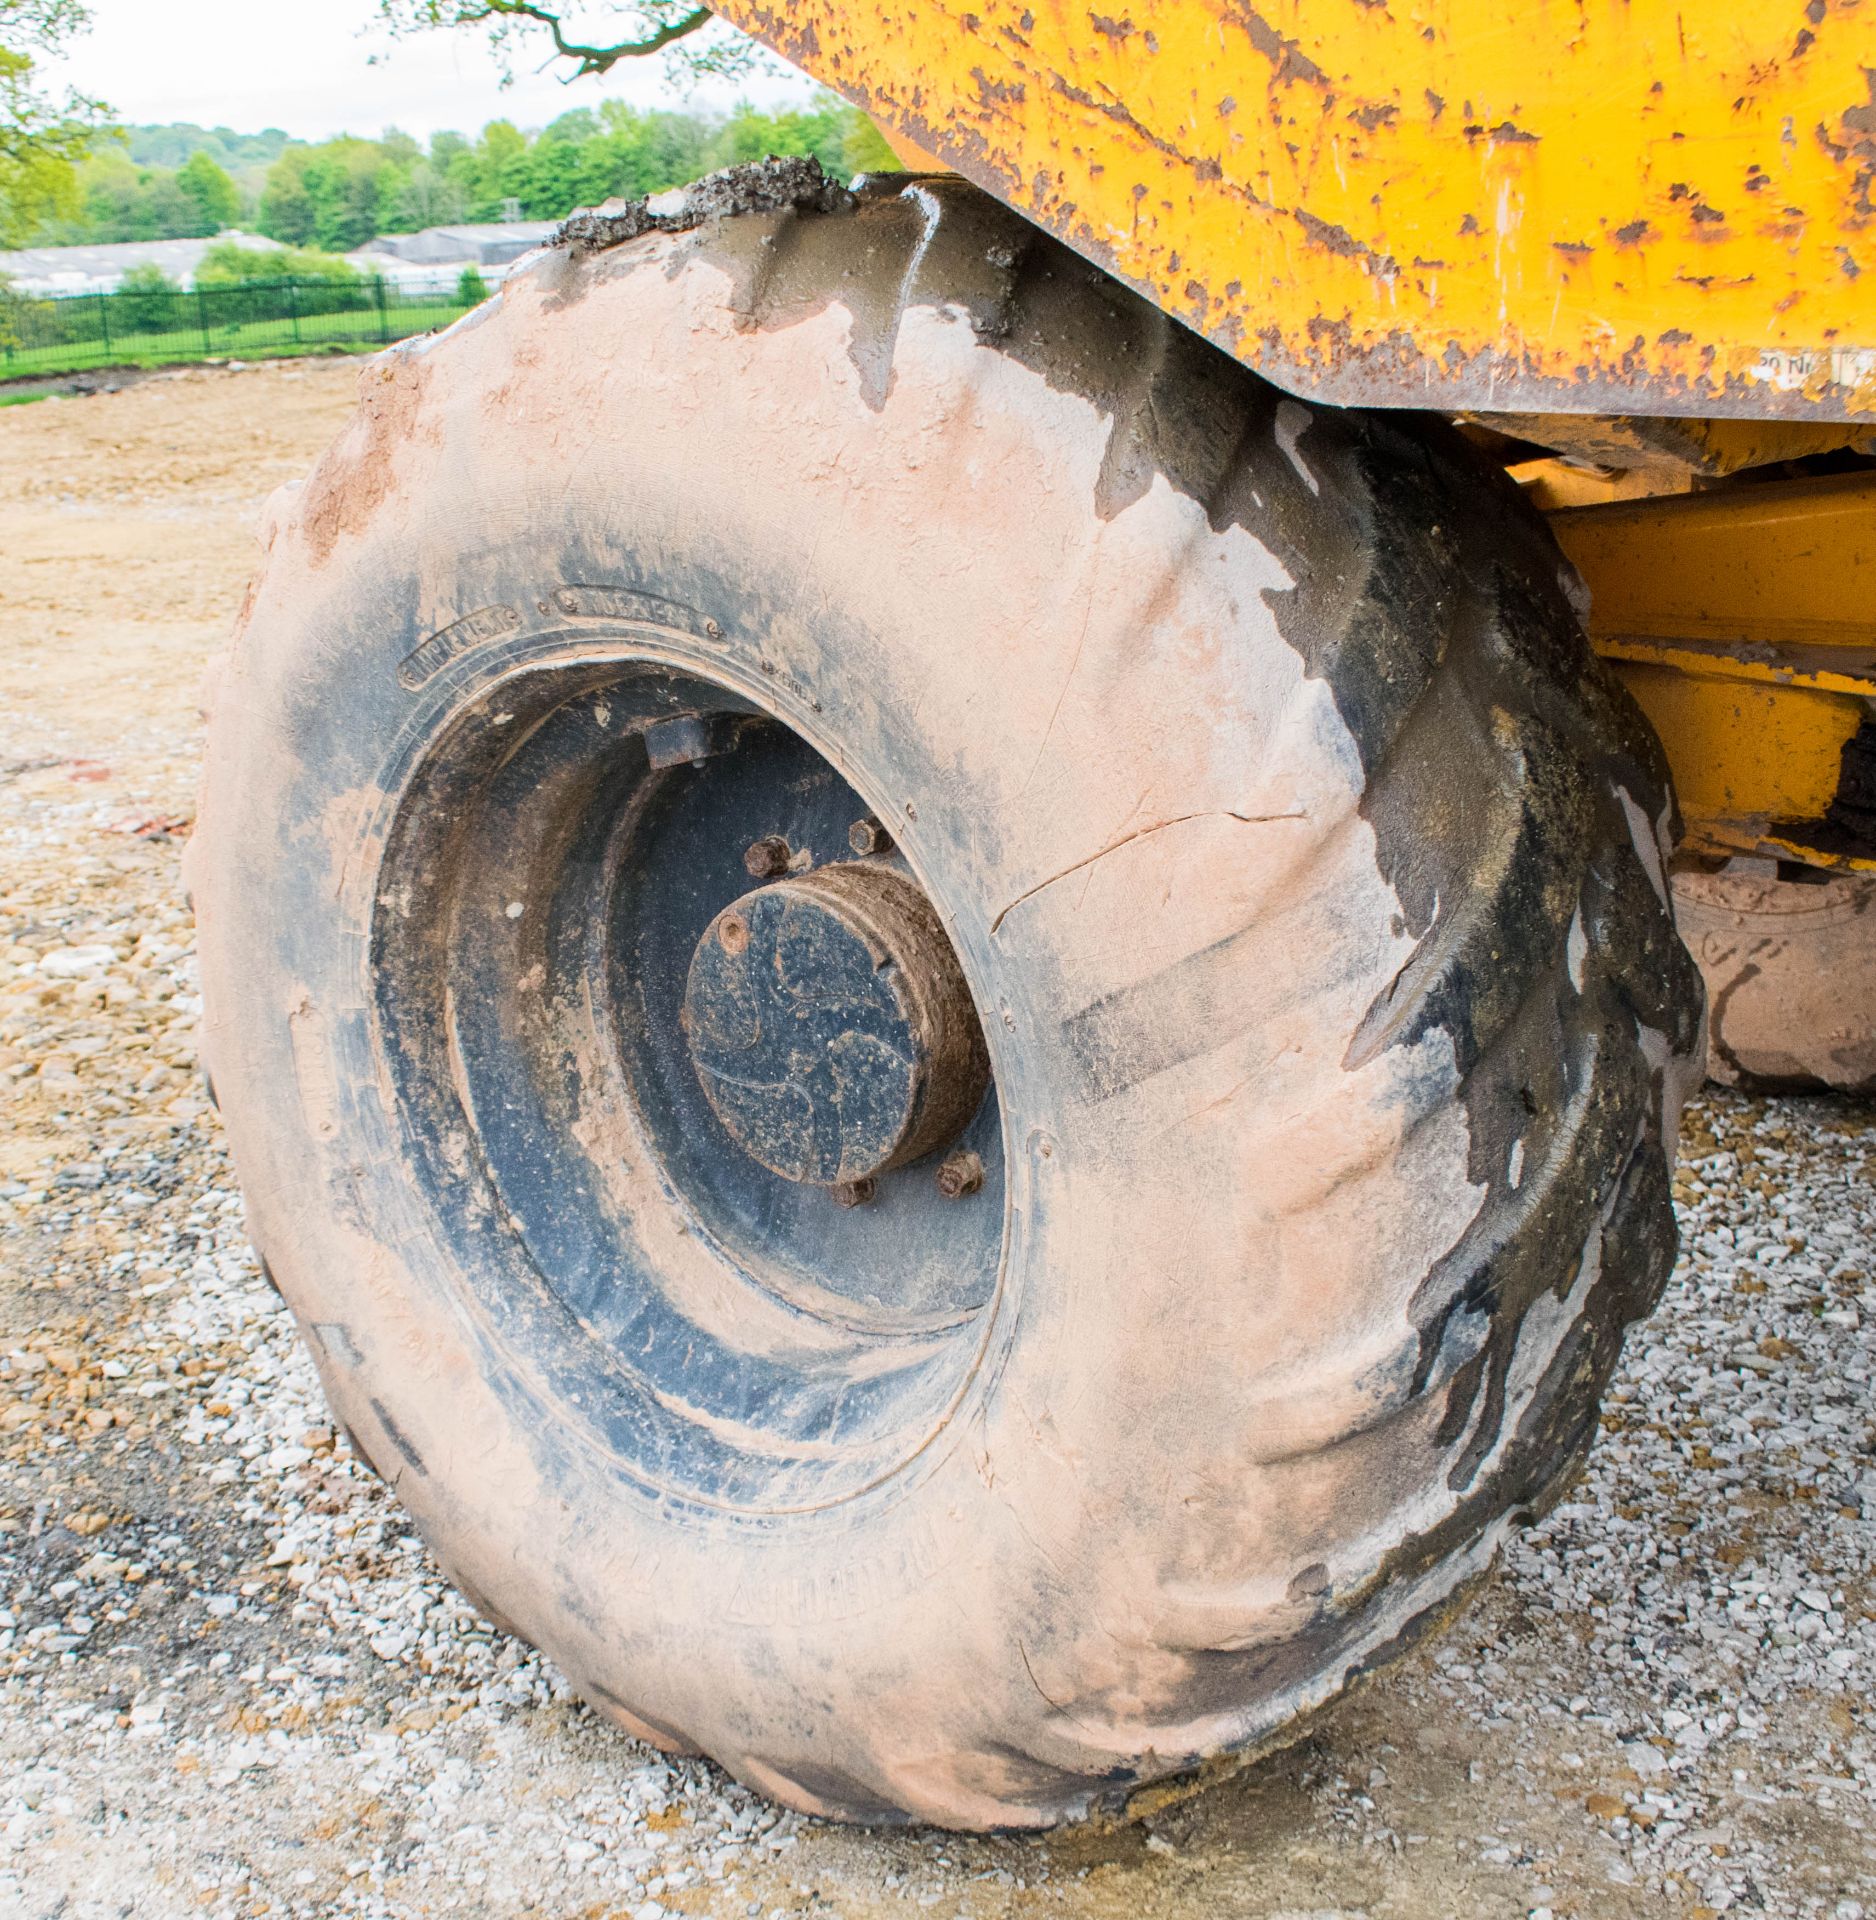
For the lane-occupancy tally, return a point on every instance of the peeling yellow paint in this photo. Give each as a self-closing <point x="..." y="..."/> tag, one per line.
<point x="1617" y="206"/>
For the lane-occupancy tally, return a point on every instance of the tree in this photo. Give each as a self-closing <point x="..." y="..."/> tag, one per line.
<point x="215" y="197"/>
<point x="251" y="283"/>
<point x="146" y="300"/>
<point x="336" y="195"/>
<point x="427" y="197"/>
<point x="344" y="192"/>
<point x="111" y="192"/>
<point x="41" y="138"/>
<point x="565" y="164"/>
<point x="645" y="27"/>
<point x="287" y="211"/>
<point x="11" y="308"/>
<point x="750" y="135"/>
<point x="864" y="149"/>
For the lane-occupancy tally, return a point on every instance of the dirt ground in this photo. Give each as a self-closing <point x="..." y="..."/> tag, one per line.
<point x="231" y="1682"/>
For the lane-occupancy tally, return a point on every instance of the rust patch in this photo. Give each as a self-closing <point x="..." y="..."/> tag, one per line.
<point x="1288" y="61"/>
<point x="1325" y="233"/>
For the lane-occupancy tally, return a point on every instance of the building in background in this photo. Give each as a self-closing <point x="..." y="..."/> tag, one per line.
<point x="429" y="258"/>
<point x="491" y="248"/>
<point x="53" y="270"/>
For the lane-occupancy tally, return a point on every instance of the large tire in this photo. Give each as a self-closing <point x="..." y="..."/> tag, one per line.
<point x="1790" y="968"/>
<point x="1304" y="868"/>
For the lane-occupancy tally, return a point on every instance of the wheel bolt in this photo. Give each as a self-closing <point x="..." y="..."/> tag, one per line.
<point x="767" y="858"/>
<point x="960" y="1174"/>
<point x="869" y="836"/>
<point x="854" y="1193"/>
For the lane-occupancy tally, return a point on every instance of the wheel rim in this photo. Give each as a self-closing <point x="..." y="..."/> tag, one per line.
<point x="562" y="857"/>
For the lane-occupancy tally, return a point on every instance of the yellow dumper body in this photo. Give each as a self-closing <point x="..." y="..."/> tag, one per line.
<point x="1634" y="233"/>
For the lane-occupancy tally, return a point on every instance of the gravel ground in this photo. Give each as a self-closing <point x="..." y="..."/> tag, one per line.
<point x="232" y="1682"/>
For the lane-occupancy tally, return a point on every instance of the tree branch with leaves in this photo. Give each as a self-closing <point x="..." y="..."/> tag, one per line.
<point x="41" y="136"/>
<point x="693" y="34"/>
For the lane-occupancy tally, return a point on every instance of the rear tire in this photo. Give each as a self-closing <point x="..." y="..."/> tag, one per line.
<point x="1306" y="877"/>
<point x="1790" y="970"/>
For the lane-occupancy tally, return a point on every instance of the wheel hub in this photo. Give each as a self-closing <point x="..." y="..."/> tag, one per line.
<point x="831" y="1028"/>
<point x="735" y="1338"/>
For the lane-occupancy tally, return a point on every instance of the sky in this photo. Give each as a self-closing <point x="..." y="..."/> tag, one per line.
<point x="308" y="67"/>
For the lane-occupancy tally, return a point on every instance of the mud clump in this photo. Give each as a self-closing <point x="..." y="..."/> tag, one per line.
<point x="761" y="186"/>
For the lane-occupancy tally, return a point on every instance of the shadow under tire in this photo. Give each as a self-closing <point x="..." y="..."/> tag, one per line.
<point x="1320" y="1002"/>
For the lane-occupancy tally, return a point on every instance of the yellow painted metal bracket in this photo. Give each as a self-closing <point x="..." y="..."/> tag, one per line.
<point x="1710" y="448"/>
<point x="1634" y="207"/>
<point x="1743" y="620"/>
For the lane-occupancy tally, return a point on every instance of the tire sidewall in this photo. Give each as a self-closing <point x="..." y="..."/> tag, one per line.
<point x="1187" y="1430"/>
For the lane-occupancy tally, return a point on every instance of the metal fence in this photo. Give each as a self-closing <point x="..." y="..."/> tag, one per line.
<point x="65" y="333"/>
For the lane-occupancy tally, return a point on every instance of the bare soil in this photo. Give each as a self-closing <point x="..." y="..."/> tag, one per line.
<point x="231" y="1682"/>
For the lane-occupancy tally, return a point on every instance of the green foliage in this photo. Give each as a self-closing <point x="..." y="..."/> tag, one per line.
<point x="866" y="149"/>
<point x="426" y="197"/>
<point x="216" y="198"/>
<point x="844" y="140"/>
<point x="337" y="194"/>
<point x="35" y="187"/>
<point x="229" y="264"/>
<point x="119" y="200"/>
<point x="250" y="282"/>
<point x="146" y="300"/>
<point x="41" y="138"/>
<point x="11" y="306"/>
<point x="164" y="183"/>
<point x="471" y="288"/>
<point x="334" y="196"/>
<point x="588" y="155"/>
<point x="170" y="146"/>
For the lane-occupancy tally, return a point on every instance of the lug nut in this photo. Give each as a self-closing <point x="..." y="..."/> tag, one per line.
<point x="869" y="836"/>
<point x="961" y="1173"/>
<point x="767" y="858"/>
<point x="854" y="1193"/>
<point x="733" y="931"/>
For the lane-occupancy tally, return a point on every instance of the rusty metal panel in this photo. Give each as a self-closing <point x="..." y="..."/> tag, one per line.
<point x="1613" y="206"/>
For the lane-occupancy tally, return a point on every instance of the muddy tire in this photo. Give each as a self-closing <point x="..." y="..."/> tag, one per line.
<point x="1790" y="970"/>
<point x="1304" y="875"/>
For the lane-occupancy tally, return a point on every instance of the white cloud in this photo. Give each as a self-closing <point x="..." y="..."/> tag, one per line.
<point x="321" y="67"/>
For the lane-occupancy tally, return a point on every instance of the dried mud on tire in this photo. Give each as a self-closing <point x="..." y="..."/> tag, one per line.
<point x="352" y="1739"/>
<point x="1790" y="967"/>
<point x="1308" y="876"/>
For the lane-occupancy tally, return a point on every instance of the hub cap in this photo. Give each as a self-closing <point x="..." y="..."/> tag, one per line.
<point x="831" y="1027"/>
